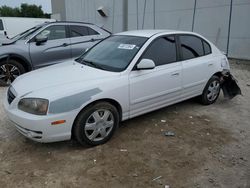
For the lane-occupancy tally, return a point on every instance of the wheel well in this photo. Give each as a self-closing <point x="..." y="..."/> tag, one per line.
<point x="219" y="74"/>
<point x="25" y="64"/>
<point x="111" y="101"/>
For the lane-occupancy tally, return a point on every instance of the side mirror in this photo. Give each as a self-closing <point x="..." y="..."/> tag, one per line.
<point x="39" y="39"/>
<point x="145" y="64"/>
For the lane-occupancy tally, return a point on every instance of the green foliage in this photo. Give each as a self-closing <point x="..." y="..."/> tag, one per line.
<point x="32" y="11"/>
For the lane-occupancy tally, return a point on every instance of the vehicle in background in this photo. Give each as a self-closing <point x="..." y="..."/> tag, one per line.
<point x="44" y="45"/>
<point x="12" y="26"/>
<point x="125" y="75"/>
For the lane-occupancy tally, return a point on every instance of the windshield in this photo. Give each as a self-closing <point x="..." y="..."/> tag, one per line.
<point x="114" y="53"/>
<point x="24" y="35"/>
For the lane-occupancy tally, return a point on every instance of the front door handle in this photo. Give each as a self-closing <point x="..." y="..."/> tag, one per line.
<point x="65" y="44"/>
<point x="175" y="74"/>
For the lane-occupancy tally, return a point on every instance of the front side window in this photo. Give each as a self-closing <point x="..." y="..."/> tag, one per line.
<point x="191" y="47"/>
<point x="1" y="25"/>
<point x="114" y="53"/>
<point x="162" y="51"/>
<point x="54" y="32"/>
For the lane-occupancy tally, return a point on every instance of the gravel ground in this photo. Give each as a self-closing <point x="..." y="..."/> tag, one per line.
<point x="210" y="149"/>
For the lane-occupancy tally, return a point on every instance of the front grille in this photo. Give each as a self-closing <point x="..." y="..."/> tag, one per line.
<point x="10" y="96"/>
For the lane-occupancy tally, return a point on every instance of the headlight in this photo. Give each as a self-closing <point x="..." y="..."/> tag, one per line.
<point x="34" y="105"/>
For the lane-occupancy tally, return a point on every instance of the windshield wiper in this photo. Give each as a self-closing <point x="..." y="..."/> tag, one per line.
<point x="92" y="64"/>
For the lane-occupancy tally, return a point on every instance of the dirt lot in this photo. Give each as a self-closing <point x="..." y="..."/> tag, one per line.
<point x="210" y="149"/>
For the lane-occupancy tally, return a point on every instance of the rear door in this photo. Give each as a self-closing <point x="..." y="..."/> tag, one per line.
<point x="82" y="37"/>
<point x="197" y="64"/>
<point x="55" y="50"/>
<point x="155" y="88"/>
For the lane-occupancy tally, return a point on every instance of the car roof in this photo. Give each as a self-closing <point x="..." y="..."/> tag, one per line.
<point x="150" y="33"/>
<point x="68" y="22"/>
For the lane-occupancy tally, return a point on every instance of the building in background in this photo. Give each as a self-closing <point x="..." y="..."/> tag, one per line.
<point x="225" y="22"/>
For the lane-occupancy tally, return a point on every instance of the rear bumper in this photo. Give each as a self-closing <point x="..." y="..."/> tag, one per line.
<point x="229" y="85"/>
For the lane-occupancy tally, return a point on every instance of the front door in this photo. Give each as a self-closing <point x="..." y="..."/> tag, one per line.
<point x="55" y="50"/>
<point x="158" y="87"/>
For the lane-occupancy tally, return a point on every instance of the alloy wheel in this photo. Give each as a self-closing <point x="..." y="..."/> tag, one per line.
<point x="8" y="73"/>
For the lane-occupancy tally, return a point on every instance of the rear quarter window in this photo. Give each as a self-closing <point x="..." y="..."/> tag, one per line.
<point x="1" y="25"/>
<point x="207" y="48"/>
<point x="92" y="32"/>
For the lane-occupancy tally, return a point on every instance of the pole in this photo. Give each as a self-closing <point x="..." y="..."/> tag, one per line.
<point x="154" y="13"/>
<point x="125" y="15"/>
<point x="195" y="3"/>
<point x="229" y="25"/>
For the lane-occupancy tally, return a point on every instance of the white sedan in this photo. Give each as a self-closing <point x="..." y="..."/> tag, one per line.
<point x="125" y="75"/>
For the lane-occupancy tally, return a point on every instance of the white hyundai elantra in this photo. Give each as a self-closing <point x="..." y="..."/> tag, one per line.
<point x="125" y="75"/>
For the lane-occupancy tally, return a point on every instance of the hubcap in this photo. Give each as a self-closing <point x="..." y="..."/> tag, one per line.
<point x="8" y="73"/>
<point x="213" y="90"/>
<point x="99" y="125"/>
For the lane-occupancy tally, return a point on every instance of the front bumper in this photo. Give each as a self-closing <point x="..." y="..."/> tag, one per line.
<point x="39" y="128"/>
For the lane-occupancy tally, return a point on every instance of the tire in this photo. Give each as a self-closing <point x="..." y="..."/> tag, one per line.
<point x="9" y="70"/>
<point x="211" y="92"/>
<point x="92" y="128"/>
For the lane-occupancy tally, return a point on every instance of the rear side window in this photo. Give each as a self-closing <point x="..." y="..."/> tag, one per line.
<point x="1" y="25"/>
<point x="191" y="47"/>
<point x="79" y="31"/>
<point x="162" y="51"/>
<point x="207" y="48"/>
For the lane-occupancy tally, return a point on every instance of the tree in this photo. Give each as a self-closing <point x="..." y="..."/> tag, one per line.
<point x="10" y="12"/>
<point x="32" y="11"/>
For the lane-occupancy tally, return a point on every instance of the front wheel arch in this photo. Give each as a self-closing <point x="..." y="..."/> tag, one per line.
<point x="23" y="61"/>
<point x="111" y="101"/>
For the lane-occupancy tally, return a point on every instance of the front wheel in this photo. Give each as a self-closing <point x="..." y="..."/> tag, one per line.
<point x="9" y="71"/>
<point x="96" y="124"/>
<point x="212" y="91"/>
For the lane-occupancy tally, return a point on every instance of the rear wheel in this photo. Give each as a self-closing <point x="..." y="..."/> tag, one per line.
<point x="9" y="71"/>
<point x="212" y="91"/>
<point x="96" y="124"/>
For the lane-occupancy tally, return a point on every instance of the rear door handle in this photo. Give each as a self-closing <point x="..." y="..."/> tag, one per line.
<point x="210" y="64"/>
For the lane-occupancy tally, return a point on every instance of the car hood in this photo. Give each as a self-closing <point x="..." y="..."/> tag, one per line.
<point x="62" y="76"/>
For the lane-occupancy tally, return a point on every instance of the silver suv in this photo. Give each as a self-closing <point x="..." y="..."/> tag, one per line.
<point x="44" y="45"/>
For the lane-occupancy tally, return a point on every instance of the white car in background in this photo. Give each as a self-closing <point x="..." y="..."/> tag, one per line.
<point x="125" y="75"/>
<point x="12" y="26"/>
